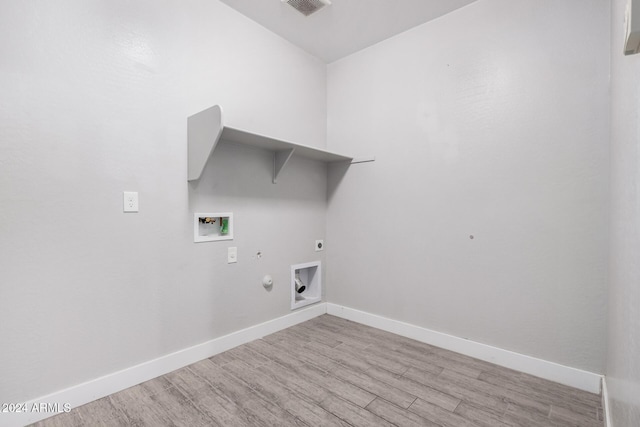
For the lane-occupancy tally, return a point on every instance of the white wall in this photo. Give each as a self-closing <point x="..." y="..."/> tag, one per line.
<point x="623" y="350"/>
<point x="95" y="99"/>
<point x="491" y="121"/>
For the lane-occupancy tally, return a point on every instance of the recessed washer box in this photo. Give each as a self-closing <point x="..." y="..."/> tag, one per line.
<point x="212" y="226"/>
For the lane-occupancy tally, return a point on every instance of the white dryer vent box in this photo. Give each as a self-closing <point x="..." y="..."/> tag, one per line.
<point x="632" y="23"/>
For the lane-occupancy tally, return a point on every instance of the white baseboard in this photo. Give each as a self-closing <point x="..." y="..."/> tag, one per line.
<point x="605" y="403"/>
<point x="89" y="391"/>
<point x="573" y="377"/>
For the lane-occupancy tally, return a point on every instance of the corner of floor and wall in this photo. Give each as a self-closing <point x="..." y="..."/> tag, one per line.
<point x="63" y="400"/>
<point x="499" y="218"/>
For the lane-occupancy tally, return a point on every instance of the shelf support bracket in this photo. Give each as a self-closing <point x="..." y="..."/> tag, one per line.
<point x="280" y="159"/>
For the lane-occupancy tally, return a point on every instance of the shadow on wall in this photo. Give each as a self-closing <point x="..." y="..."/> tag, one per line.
<point x="336" y="173"/>
<point x="244" y="172"/>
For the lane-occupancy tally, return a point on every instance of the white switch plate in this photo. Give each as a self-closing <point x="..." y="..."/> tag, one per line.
<point x="232" y="255"/>
<point x="130" y="201"/>
<point x="319" y="245"/>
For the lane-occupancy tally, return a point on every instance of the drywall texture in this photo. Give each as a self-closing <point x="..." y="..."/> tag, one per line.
<point x="95" y="99"/>
<point x="623" y="349"/>
<point x="489" y="122"/>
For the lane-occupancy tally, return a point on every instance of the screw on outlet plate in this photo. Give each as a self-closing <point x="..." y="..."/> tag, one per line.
<point x="319" y="245"/>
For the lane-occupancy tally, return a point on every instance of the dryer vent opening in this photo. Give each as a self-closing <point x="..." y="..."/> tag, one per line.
<point x="307" y="7"/>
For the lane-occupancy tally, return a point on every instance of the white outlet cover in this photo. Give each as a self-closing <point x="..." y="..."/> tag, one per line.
<point x="232" y="255"/>
<point x="130" y="201"/>
<point x="319" y="245"/>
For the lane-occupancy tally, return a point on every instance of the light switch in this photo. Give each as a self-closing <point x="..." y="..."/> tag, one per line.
<point x="232" y="255"/>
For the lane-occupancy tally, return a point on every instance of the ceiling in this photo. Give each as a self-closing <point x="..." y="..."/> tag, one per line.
<point x="346" y="26"/>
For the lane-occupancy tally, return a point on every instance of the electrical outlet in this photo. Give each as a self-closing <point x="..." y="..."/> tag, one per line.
<point x="232" y="255"/>
<point x="319" y="245"/>
<point x="130" y="201"/>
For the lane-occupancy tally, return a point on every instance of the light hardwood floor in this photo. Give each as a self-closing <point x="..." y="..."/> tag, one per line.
<point x="330" y="371"/>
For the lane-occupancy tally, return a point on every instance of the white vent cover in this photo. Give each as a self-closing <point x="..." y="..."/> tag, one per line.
<point x="307" y="7"/>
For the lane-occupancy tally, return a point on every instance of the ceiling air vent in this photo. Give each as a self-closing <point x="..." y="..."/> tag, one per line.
<point x="307" y="7"/>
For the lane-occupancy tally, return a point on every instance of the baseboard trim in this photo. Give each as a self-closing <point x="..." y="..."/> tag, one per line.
<point x="605" y="403"/>
<point x="573" y="377"/>
<point x="89" y="391"/>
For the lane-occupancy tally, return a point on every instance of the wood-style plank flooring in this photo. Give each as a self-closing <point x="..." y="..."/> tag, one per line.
<point x="333" y="372"/>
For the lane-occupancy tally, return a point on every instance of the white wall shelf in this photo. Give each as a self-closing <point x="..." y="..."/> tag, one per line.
<point x="310" y="275"/>
<point x="206" y="129"/>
